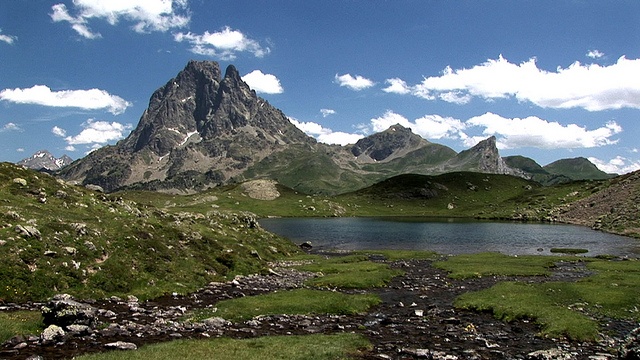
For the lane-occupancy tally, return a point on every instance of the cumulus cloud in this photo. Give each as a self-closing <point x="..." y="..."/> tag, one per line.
<point x="356" y="83"/>
<point x="397" y="86"/>
<point x="428" y="126"/>
<point x="263" y="83"/>
<point x="97" y="133"/>
<point x="146" y="15"/>
<point x="327" y="112"/>
<point x="223" y="44"/>
<point x="591" y="87"/>
<point x="92" y="99"/>
<point x="10" y="127"/>
<point x="58" y="131"/>
<point x="534" y="132"/>
<point x="595" y="54"/>
<point x="617" y="165"/>
<point x="9" y="39"/>
<point x="325" y="135"/>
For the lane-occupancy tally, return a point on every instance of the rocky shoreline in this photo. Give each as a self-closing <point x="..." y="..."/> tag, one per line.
<point x="416" y="320"/>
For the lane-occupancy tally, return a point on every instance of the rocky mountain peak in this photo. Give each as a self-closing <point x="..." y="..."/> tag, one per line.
<point x="484" y="157"/>
<point x="44" y="160"/>
<point x="396" y="141"/>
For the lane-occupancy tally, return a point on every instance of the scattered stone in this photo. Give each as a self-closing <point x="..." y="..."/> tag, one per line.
<point x="121" y="345"/>
<point x="549" y="354"/>
<point x="62" y="310"/>
<point x="630" y="349"/>
<point x="92" y="187"/>
<point x="216" y="322"/>
<point x="28" y="231"/>
<point x="20" y="181"/>
<point x="52" y="332"/>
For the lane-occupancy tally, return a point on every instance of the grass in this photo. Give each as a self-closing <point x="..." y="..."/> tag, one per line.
<point x="320" y="347"/>
<point x="300" y="301"/>
<point x="352" y="272"/>
<point x="19" y="323"/>
<point x="395" y="255"/>
<point x="561" y="308"/>
<point x="511" y="300"/>
<point x="489" y="264"/>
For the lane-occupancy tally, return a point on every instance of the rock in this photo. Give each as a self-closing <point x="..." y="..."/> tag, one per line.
<point x="62" y="310"/>
<point x="216" y="322"/>
<point x="93" y="187"/>
<point x="20" y="181"/>
<point x="630" y="349"/>
<point x="306" y="246"/>
<point x="28" y="231"/>
<point x="121" y="345"/>
<point x="550" y="354"/>
<point x="78" y="329"/>
<point x="51" y="333"/>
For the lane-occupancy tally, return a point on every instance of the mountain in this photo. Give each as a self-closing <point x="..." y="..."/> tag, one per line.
<point x="482" y="158"/>
<point x="202" y="129"/>
<point x="44" y="160"/>
<point x="577" y="169"/>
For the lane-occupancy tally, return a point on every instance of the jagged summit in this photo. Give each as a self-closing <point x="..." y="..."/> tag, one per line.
<point x="44" y="160"/>
<point x="394" y="142"/>
<point x="200" y="129"/>
<point x="483" y="157"/>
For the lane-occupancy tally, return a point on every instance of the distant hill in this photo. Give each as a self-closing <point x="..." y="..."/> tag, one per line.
<point x="577" y="169"/>
<point x="44" y="160"/>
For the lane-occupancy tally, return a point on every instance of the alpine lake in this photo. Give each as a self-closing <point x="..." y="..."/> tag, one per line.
<point x="449" y="236"/>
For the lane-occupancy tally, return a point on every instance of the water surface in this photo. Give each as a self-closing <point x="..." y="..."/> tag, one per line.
<point x="448" y="236"/>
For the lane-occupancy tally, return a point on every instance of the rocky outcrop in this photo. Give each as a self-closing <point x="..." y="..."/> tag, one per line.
<point x="483" y="158"/>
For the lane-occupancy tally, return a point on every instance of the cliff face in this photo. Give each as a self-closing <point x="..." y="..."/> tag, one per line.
<point x="484" y="158"/>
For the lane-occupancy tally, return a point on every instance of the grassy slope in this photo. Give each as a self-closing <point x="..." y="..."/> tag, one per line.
<point x="92" y="244"/>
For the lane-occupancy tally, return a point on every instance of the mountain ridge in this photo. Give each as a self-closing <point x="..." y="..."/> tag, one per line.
<point x="202" y="129"/>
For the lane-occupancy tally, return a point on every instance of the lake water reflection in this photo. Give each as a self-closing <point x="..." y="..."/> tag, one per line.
<point x="448" y="236"/>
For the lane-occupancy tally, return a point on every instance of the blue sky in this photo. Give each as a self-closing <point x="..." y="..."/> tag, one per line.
<point x="550" y="79"/>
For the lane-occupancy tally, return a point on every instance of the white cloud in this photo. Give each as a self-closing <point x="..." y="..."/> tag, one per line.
<point x="20" y="149"/>
<point x="70" y="148"/>
<point x="428" y="126"/>
<point x="7" y="38"/>
<point x="92" y="99"/>
<point x="595" y="54"/>
<point x="58" y="131"/>
<point x="263" y="83"/>
<point x="223" y="44"/>
<point x="146" y="15"/>
<point x="397" y="86"/>
<point x="327" y="112"/>
<point x="539" y="133"/>
<point x="591" y="87"/>
<point x="617" y="165"/>
<point x="98" y="132"/>
<point x="356" y="83"/>
<point x="325" y="135"/>
<point x="10" y="127"/>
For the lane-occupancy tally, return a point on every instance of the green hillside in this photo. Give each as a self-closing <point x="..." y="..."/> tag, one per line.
<point x="577" y="169"/>
<point x="56" y="237"/>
